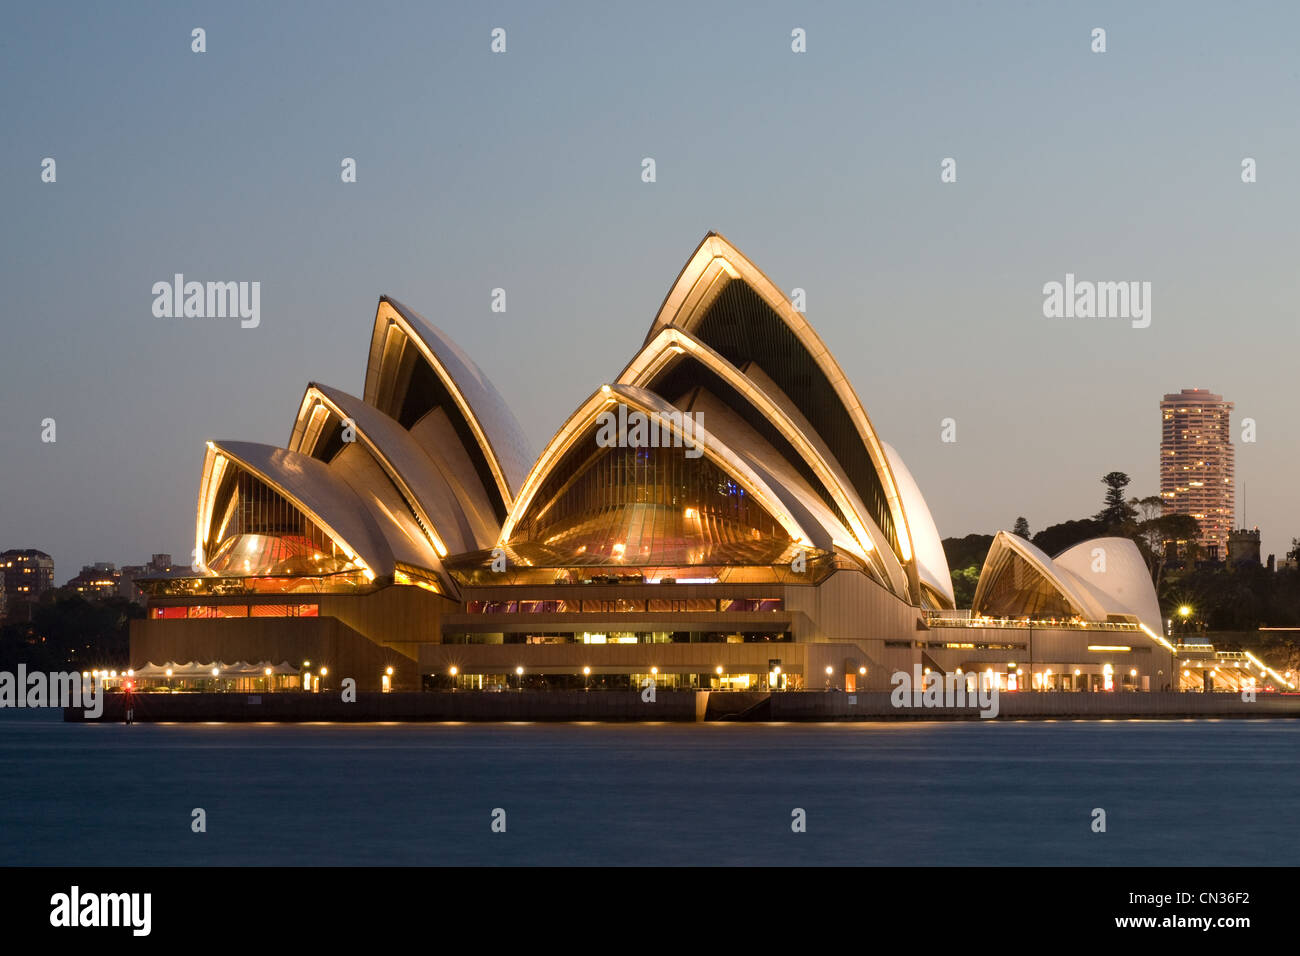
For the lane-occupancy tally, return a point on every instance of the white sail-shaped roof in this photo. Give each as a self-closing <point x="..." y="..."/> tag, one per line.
<point x="496" y="438"/>
<point x="1114" y="568"/>
<point x="927" y="546"/>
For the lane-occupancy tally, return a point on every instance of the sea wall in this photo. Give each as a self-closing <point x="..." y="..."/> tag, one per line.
<point x="577" y="705"/>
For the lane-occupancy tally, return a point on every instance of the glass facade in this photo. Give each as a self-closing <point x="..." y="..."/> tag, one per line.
<point x="621" y="637"/>
<point x="647" y="507"/>
<point x="235" y="610"/>
<point x="743" y="328"/>
<point x="1017" y="589"/>
<point x="687" y="373"/>
<point x="257" y="531"/>
<point x="625" y="605"/>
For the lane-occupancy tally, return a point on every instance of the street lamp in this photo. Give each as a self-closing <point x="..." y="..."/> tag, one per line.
<point x="829" y="670"/>
<point x="519" y="675"/>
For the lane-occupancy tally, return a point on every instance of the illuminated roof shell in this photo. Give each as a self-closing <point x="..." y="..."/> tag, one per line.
<point x="325" y="498"/>
<point x="607" y="398"/>
<point x="494" y="427"/>
<point x="448" y="511"/>
<point x="714" y="264"/>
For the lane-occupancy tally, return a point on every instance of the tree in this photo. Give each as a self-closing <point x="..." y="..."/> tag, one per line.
<point x="967" y="552"/>
<point x="965" y="560"/>
<point x="1117" y="515"/>
<point x="1021" y="528"/>
<point x="1057" y="537"/>
<point x="964" y="582"/>
<point x="1157" y="538"/>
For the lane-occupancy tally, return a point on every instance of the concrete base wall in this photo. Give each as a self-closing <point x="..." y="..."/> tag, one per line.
<point x="448" y="706"/>
<point x="671" y="706"/>
<point x="321" y="640"/>
<point x="1037" y="706"/>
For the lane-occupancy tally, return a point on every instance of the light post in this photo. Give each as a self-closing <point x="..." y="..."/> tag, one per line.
<point x="586" y="678"/>
<point x="718" y="670"/>
<point x="519" y="675"/>
<point x="829" y="671"/>
<point x="267" y="674"/>
<point x="453" y="673"/>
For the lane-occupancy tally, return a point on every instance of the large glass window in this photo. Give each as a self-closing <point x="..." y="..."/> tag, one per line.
<point x="744" y="329"/>
<point x="259" y="531"/>
<point x="1018" y="589"/>
<point x="647" y="507"/>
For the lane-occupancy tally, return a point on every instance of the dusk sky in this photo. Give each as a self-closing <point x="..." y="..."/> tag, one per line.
<point x="522" y="171"/>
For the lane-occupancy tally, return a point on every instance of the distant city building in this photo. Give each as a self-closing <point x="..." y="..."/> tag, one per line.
<point x="98" y="580"/>
<point x="27" y="574"/>
<point x="126" y="586"/>
<point x="1196" y="464"/>
<point x="1243" y="547"/>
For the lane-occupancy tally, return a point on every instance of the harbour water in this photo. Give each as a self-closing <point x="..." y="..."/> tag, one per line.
<point x="1184" y="792"/>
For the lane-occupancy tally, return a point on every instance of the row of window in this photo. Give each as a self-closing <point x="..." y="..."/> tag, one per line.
<point x="237" y="610"/>
<point x="624" y="605"/>
<point x="623" y="637"/>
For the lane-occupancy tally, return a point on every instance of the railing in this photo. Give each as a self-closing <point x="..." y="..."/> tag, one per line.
<point x="944" y="619"/>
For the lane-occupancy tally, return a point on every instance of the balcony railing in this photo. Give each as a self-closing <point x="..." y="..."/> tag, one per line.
<point x="964" y="619"/>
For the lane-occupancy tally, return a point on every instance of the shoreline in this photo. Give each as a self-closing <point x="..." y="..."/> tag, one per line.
<point x="671" y="706"/>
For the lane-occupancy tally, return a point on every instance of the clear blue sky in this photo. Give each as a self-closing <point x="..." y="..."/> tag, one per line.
<point x="522" y="171"/>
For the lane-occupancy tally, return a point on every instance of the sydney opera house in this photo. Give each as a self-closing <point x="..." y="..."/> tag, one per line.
<point x="721" y="514"/>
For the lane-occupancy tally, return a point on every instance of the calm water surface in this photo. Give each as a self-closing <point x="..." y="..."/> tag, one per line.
<point x="1175" y="792"/>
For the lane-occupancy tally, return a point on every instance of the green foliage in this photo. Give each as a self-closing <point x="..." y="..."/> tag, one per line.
<point x="70" y="633"/>
<point x="966" y="552"/>
<point x="963" y="584"/>
<point x="1056" y="538"/>
<point x="1241" y="599"/>
<point x="1116" y="514"/>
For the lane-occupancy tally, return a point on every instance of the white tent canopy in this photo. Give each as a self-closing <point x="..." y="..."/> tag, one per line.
<point x="237" y="669"/>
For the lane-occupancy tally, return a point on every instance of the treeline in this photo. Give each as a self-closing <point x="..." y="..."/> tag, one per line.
<point x="68" y="632"/>
<point x="1220" y="597"/>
